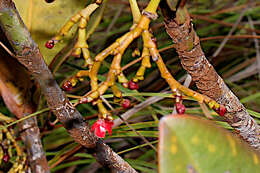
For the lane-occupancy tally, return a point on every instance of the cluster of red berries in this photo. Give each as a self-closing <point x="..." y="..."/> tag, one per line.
<point x="132" y="86"/>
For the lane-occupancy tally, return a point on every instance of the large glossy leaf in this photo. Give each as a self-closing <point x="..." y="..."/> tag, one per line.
<point x="45" y="19"/>
<point x="192" y="145"/>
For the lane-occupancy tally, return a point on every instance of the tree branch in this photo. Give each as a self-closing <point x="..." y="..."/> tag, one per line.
<point x="15" y="88"/>
<point x="27" y="53"/>
<point x="187" y="44"/>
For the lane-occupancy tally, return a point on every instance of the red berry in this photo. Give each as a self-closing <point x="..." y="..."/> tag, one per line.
<point x="67" y="86"/>
<point x="180" y="108"/>
<point x="101" y="126"/>
<point x="221" y="110"/>
<point x="49" y="44"/>
<point x="49" y="1"/>
<point x="6" y="158"/>
<point x="126" y="103"/>
<point x="133" y="85"/>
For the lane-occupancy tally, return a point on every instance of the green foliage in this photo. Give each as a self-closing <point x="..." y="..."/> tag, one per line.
<point x="189" y="144"/>
<point x="44" y="20"/>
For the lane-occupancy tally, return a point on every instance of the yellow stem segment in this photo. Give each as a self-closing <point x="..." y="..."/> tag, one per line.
<point x="117" y="49"/>
<point x="67" y="27"/>
<point x="135" y="11"/>
<point x="174" y="85"/>
<point x="104" y="114"/>
<point x="152" y="6"/>
<point x="145" y="64"/>
<point x="74" y="19"/>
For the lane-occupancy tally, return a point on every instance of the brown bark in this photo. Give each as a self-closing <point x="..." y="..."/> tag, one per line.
<point x="187" y="44"/>
<point x="28" y="54"/>
<point x="15" y="88"/>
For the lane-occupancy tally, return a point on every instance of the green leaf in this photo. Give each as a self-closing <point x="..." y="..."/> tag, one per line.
<point x="122" y="134"/>
<point x="253" y="113"/>
<point x="44" y="20"/>
<point x="250" y="98"/>
<point x="69" y="164"/>
<point x="137" y="147"/>
<point x="56" y="138"/>
<point x="142" y="166"/>
<point x="91" y="27"/>
<point x="61" y="152"/>
<point x="136" y="126"/>
<point x="189" y="144"/>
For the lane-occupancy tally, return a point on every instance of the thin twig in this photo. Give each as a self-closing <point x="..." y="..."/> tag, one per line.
<point x="6" y="49"/>
<point x="130" y="126"/>
<point x="116" y="16"/>
<point x="230" y="33"/>
<point x="221" y="22"/>
<point x="249" y="71"/>
<point x="256" y="46"/>
<point x="136" y="108"/>
<point x="217" y="38"/>
<point x="239" y="67"/>
<point x="62" y="158"/>
<point x="232" y="9"/>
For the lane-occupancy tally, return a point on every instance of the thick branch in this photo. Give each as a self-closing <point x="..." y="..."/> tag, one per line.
<point x="15" y="90"/>
<point x="28" y="54"/>
<point x="187" y="44"/>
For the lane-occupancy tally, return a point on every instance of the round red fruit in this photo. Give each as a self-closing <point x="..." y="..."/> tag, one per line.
<point x="67" y="86"/>
<point x="126" y="103"/>
<point x="6" y="158"/>
<point x="133" y="85"/>
<point x="49" y="44"/>
<point x="180" y="108"/>
<point x="221" y="110"/>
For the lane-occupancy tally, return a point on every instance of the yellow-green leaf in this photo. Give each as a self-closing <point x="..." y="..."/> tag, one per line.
<point x="45" y="19"/>
<point x="189" y="144"/>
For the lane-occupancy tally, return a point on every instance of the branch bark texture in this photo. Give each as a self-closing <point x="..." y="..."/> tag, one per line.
<point x="15" y="88"/>
<point x="187" y="44"/>
<point x="28" y="54"/>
